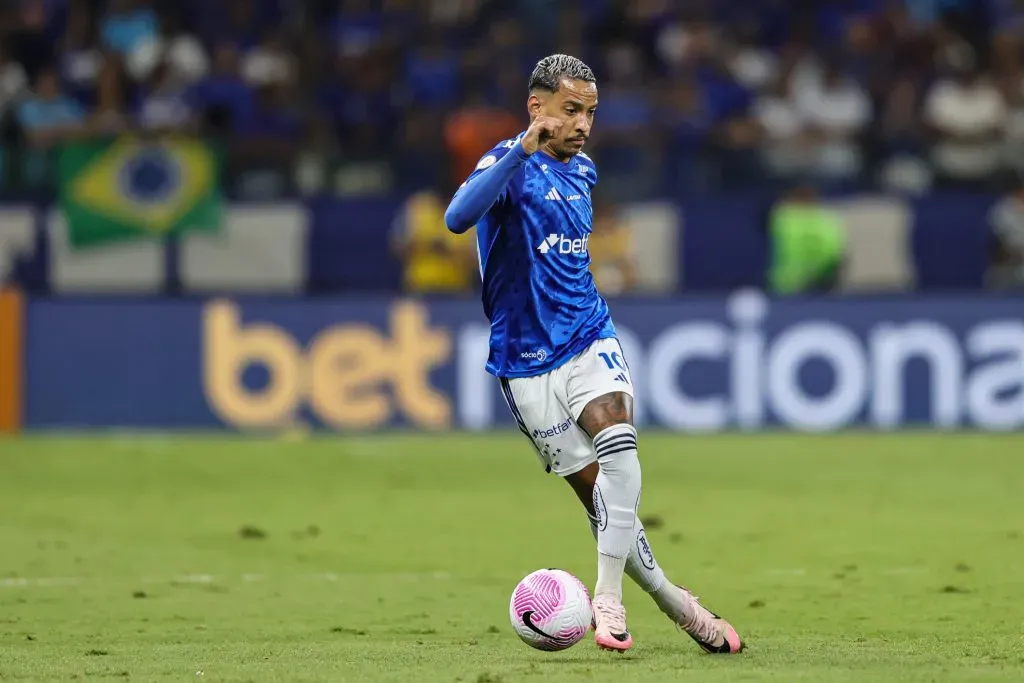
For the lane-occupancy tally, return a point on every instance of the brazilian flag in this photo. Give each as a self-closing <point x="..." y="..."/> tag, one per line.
<point x="131" y="187"/>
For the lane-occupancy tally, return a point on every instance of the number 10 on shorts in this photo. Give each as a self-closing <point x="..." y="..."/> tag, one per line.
<point x="614" y="362"/>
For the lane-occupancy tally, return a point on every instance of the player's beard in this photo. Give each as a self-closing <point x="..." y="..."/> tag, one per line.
<point x="567" y="150"/>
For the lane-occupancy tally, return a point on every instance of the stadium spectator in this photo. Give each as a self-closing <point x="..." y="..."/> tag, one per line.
<point x="165" y="106"/>
<point x="751" y="64"/>
<point x="901" y="143"/>
<point x="269" y="62"/>
<point x="612" y="259"/>
<point x="223" y="98"/>
<point x="624" y="143"/>
<point x="807" y="244"/>
<point x="432" y="72"/>
<point x="45" y="118"/>
<point x="265" y="153"/>
<point x="356" y="28"/>
<point x="695" y="97"/>
<point x="81" y="57"/>
<point x="966" y="112"/>
<point x="13" y="81"/>
<point x="13" y="84"/>
<point x="786" y="148"/>
<point x="837" y="111"/>
<point x="425" y="158"/>
<point x="1006" y="223"/>
<point x="183" y="52"/>
<point x="686" y="119"/>
<point x="471" y="130"/>
<point x="435" y="261"/>
<point x="48" y="116"/>
<point x="316" y="159"/>
<point x="128" y="25"/>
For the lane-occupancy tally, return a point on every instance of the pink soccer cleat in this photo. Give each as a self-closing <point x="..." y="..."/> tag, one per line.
<point x="712" y="632"/>
<point x="610" y="632"/>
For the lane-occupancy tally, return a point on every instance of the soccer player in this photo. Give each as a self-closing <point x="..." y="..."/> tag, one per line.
<point x="553" y="346"/>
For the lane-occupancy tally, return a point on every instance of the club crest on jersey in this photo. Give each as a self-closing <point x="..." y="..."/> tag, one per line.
<point x="561" y="244"/>
<point x="487" y="162"/>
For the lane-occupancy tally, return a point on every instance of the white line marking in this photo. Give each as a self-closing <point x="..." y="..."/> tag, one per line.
<point x="786" y="572"/>
<point x="41" y="582"/>
<point x="205" y="579"/>
<point x="335" y="577"/>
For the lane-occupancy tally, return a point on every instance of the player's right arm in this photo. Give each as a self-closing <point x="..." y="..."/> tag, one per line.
<point x="488" y="183"/>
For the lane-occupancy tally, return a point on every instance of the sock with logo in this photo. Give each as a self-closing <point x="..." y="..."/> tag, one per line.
<point x="616" y="496"/>
<point x="643" y="568"/>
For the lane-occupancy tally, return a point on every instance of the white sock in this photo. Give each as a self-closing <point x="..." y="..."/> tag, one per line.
<point x="608" y="568"/>
<point x="616" y="497"/>
<point x="643" y="568"/>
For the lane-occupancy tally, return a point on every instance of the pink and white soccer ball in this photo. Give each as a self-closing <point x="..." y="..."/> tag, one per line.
<point x="550" y="610"/>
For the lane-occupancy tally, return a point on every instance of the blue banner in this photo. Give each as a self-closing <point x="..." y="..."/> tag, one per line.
<point x="737" y="362"/>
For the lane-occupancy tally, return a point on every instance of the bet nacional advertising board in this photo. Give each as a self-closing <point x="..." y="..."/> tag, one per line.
<point x="738" y="362"/>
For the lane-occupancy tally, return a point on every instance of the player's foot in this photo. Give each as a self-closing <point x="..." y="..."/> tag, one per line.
<point x="610" y="632"/>
<point x="712" y="632"/>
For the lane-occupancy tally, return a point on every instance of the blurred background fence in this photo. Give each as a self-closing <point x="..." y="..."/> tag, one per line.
<point x="229" y="213"/>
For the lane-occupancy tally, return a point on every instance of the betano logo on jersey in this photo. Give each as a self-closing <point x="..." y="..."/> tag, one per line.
<point x="563" y="245"/>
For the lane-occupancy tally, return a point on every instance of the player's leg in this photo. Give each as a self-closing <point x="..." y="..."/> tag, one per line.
<point x="677" y="603"/>
<point x="641" y="566"/>
<point x="544" y="413"/>
<point x="607" y="419"/>
<point x="601" y="400"/>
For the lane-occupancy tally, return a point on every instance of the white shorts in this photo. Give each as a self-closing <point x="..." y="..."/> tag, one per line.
<point x="546" y="407"/>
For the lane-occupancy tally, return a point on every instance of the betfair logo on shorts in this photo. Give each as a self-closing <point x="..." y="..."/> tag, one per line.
<point x="563" y="245"/>
<point x="350" y="376"/>
<point x="553" y="430"/>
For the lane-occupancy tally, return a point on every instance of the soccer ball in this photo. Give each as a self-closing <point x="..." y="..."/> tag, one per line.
<point x="550" y="610"/>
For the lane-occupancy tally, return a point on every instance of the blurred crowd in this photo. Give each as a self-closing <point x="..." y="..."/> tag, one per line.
<point x="391" y="96"/>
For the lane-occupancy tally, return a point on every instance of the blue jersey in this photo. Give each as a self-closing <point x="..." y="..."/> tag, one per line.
<point x="533" y="220"/>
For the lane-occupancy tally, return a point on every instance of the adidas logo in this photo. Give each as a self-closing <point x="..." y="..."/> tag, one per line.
<point x="563" y="245"/>
<point x="554" y="196"/>
<point x="621" y="377"/>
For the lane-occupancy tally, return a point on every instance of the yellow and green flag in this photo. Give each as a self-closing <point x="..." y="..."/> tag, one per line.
<point x="131" y="188"/>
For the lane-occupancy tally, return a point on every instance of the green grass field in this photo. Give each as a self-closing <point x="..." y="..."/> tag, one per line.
<point x="839" y="558"/>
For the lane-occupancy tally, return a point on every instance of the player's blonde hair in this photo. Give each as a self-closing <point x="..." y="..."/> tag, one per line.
<point x="550" y="71"/>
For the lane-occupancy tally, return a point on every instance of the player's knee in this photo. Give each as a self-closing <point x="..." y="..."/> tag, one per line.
<point x="624" y="465"/>
<point x="616" y="450"/>
<point x="607" y="411"/>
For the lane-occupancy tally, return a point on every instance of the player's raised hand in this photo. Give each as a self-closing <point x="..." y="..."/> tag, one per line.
<point x="542" y="129"/>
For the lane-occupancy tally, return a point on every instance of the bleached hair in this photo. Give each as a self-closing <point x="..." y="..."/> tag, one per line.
<point x="550" y="71"/>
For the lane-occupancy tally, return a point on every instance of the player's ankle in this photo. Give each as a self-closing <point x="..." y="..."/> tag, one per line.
<point x="672" y="602"/>
<point x="609" y="575"/>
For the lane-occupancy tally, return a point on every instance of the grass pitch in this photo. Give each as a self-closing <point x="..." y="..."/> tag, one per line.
<point x="838" y="558"/>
